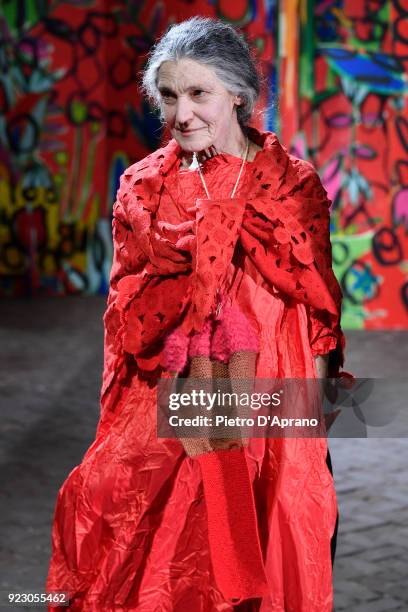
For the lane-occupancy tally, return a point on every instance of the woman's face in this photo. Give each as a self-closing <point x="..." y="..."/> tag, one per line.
<point x="197" y="108"/>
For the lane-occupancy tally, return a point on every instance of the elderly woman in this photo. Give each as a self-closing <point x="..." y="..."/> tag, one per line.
<point x="222" y="268"/>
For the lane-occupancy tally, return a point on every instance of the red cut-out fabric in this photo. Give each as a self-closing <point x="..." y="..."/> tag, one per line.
<point x="139" y="525"/>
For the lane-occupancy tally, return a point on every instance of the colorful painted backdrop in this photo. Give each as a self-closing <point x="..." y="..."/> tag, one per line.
<point x="72" y="119"/>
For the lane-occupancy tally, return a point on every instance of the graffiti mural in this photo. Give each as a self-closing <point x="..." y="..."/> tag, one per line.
<point x="343" y="80"/>
<point x="72" y="118"/>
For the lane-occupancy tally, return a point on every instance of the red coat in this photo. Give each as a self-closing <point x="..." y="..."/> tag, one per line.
<point x="135" y="498"/>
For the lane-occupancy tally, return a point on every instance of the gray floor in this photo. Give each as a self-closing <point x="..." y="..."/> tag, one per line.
<point x="51" y="356"/>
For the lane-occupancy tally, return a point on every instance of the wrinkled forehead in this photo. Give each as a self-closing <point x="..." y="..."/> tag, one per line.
<point x="186" y="74"/>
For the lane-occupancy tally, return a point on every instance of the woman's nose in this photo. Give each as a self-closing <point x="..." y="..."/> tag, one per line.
<point x="184" y="111"/>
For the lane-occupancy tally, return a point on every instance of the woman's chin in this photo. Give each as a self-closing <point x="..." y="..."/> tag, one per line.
<point x="192" y="142"/>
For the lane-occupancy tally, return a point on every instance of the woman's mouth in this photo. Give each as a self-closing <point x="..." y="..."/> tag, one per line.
<point x="188" y="132"/>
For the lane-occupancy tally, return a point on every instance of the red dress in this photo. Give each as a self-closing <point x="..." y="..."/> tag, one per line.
<point x="132" y="522"/>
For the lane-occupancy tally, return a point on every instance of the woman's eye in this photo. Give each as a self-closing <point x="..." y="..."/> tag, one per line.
<point x="197" y="92"/>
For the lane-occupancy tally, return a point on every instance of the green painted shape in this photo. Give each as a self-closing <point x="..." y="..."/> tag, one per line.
<point x="307" y="54"/>
<point x="9" y="11"/>
<point x="34" y="12"/>
<point x="382" y="15"/>
<point x="353" y="315"/>
<point x="358" y="245"/>
<point x="322" y="96"/>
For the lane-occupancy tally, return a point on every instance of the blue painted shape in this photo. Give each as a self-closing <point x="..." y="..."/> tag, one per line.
<point x="365" y="69"/>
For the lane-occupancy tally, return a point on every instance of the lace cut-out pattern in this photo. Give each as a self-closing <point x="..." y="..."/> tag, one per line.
<point x="280" y="220"/>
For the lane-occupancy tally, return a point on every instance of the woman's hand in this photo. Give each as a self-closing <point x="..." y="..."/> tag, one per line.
<point x="321" y="362"/>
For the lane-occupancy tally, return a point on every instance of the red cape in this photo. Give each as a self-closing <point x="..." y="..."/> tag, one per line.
<point x="281" y="224"/>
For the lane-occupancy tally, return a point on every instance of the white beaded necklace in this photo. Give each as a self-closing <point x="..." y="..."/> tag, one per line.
<point x="198" y="165"/>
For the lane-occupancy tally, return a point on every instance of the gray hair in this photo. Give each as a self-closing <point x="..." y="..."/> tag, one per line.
<point x="217" y="45"/>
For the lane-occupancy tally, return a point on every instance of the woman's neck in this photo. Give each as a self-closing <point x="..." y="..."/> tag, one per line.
<point x="188" y="162"/>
